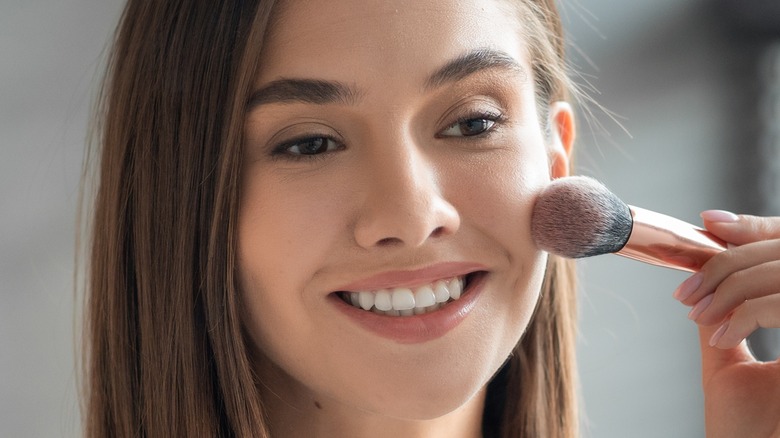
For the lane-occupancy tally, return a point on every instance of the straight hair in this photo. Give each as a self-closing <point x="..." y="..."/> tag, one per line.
<point x="165" y="350"/>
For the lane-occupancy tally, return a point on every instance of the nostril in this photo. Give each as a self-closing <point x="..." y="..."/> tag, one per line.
<point x="388" y="241"/>
<point x="437" y="232"/>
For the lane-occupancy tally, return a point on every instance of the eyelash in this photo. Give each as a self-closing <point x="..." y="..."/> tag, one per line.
<point x="282" y="151"/>
<point x="495" y="117"/>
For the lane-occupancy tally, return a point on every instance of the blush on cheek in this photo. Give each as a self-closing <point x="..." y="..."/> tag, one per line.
<point x="504" y="203"/>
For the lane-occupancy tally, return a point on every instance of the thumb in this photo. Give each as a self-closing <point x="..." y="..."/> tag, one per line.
<point x="741" y="229"/>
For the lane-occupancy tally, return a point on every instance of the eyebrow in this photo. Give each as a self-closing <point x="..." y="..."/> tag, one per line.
<point x="321" y="92"/>
<point x="473" y="62"/>
<point x="313" y="91"/>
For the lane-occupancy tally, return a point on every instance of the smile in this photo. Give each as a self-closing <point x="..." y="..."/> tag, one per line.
<point x="402" y="301"/>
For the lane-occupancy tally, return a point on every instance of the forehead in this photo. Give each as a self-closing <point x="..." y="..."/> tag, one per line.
<point x="347" y="39"/>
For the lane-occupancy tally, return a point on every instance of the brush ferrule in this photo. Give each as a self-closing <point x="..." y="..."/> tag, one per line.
<point x="665" y="241"/>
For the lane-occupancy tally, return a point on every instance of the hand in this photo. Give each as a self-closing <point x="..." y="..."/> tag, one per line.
<point x="735" y="293"/>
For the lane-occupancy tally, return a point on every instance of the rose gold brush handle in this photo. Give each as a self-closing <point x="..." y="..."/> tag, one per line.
<point x="662" y="240"/>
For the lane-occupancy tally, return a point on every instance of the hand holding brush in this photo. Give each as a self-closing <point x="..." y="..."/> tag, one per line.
<point x="735" y="288"/>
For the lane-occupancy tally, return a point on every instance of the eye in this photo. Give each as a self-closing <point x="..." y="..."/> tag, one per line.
<point x="471" y="126"/>
<point x="308" y="146"/>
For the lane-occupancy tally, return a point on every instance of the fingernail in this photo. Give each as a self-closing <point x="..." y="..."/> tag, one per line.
<point x="719" y="216"/>
<point x="688" y="286"/>
<point x="719" y="334"/>
<point x="700" y="307"/>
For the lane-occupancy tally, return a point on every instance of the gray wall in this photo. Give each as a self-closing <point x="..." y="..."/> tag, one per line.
<point x="664" y="68"/>
<point x="683" y="85"/>
<point x="49" y="52"/>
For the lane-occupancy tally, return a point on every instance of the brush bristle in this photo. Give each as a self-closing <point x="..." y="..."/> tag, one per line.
<point x="578" y="217"/>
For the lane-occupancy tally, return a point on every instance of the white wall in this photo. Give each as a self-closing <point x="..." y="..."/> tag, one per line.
<point x="660" y="69"/>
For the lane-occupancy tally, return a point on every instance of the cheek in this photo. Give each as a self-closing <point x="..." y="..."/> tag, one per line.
<point x="286" y="233"/>
<point x="495" y="196"/>
<point x="497" y="193"/>
<point x="285" y="229"/>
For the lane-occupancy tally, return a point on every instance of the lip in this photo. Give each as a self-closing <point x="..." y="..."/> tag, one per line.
<point x="412" y="278"/>
<point x="418" y="328"/>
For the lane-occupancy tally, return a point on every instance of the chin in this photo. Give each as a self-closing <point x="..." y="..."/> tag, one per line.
<point x="421" y="404"/>
<point x="435" y="383"/>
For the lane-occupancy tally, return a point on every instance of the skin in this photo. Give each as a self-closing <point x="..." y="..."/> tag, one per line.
<point x="399" y="189"/>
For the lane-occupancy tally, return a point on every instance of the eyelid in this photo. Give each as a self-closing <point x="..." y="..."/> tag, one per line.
<point x="470" y="106"/>
<point x="494" y="115"/>
<point x="298" y="132"/>
<point x="286" y="144"/>
<point x="280" y="150"/>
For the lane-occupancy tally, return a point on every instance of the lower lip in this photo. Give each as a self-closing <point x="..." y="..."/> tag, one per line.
<point x="417" y="328"/>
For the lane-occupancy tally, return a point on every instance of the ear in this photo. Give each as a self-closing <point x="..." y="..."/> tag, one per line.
<point x="562" y="138"/>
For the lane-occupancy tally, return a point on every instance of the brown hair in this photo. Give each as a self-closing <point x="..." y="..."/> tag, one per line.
<point x="535" y="393"/>
<point x="165" y="353"/>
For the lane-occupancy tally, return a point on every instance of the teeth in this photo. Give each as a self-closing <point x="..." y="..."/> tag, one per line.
<point x="403" y="301"/>
<point x="456" y="287"/>
<point x="424" y="297"/>
<point x="383" y="301"/>
<point x="366" y="300"/>
<point x="440" y="292"/>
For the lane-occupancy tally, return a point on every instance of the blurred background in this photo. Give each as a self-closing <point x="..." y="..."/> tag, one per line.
<point x="690" y="121"/>
<point x="690" y="91"/>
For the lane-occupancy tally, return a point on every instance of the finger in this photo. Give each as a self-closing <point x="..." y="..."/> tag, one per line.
<point x="722" y="265"/>
<point x="741" y="229"/>
<point x="751" y="315"/>
<point x="747" y="284"/>
<point x="715" y="359"/>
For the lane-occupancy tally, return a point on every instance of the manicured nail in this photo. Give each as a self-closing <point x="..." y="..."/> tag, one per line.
<point x="700" y="307"/>
<point x="688" y="286"/>
<point x="719" y="216"/>
<point x="719" y="334"/>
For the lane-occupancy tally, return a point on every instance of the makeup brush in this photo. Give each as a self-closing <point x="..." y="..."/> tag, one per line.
<point x="577" y="217"/>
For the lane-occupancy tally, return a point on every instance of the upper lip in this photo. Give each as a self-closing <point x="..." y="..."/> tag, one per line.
<point x="413" y="277"/>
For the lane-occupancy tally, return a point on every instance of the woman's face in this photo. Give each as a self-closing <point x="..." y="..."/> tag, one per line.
<point x="393" y="150"/>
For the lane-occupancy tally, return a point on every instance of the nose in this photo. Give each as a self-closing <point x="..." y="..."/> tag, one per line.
<point x="403" y="202"/>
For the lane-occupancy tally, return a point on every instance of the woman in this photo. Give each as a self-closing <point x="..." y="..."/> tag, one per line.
<point x="313" y="220"/>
